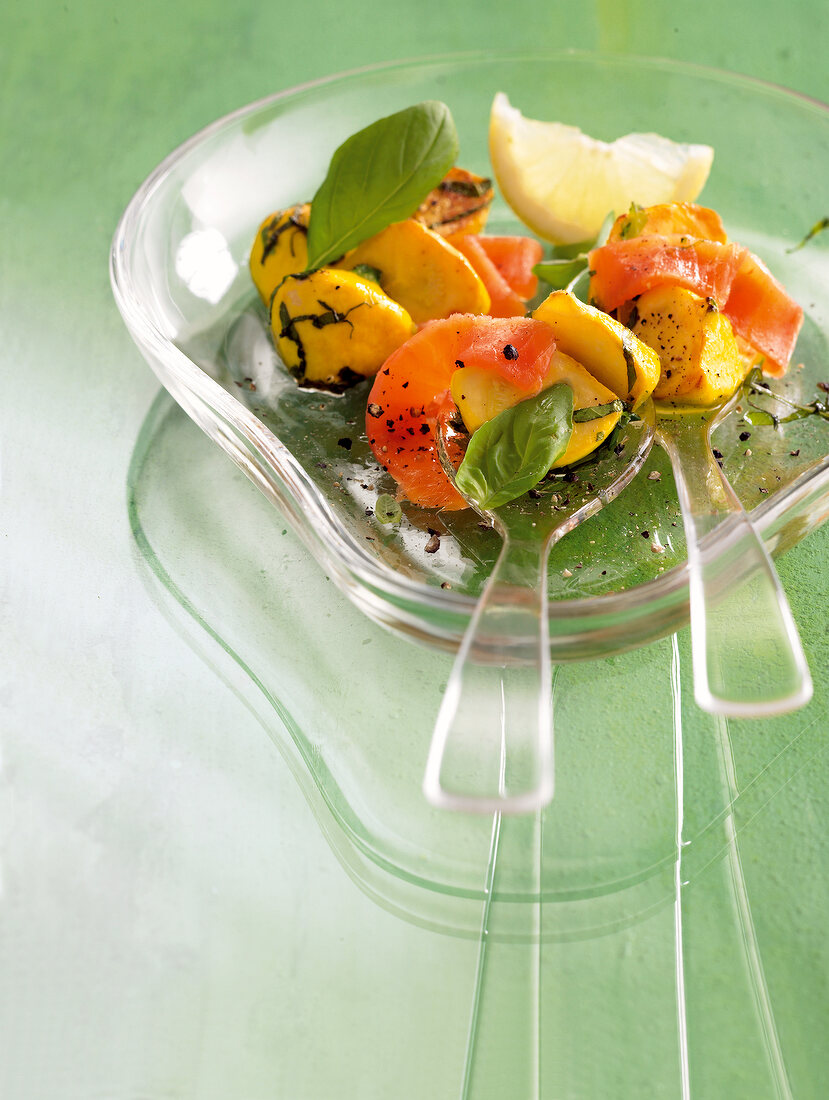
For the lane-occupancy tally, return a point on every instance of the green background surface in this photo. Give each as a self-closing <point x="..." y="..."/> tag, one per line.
<point x="173" y="922"/>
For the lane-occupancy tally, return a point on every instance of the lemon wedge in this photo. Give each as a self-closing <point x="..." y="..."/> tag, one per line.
<point x="562" y="183"/>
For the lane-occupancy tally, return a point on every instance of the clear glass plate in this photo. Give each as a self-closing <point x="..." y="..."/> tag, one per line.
<point x="179" y="272"/>
<point x="351" y="708"/>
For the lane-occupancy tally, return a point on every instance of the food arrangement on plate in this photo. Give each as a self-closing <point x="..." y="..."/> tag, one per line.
<point x="389" y="274"/>
<point x="181" y="280"/>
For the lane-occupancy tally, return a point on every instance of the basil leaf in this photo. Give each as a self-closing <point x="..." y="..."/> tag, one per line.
<point x="581" y="248"/>
<point x="560" y="273"/>
<point x="366" y="271"/>
<point x="596" y="412"/>
<point x="569" y="260"/>
<point x="379" y="176"/>
<point x="511" y="453"/>
<point x="571" y="251"/>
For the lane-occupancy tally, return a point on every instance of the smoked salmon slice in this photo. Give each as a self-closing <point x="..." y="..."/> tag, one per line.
<point x="762" y="313"/>
<point x="504" y="265"/>
<point x="621" y="270"/>
<point x="412" y="390"/>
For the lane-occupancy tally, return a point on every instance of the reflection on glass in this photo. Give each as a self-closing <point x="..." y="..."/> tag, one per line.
<point x="205" y="265"/>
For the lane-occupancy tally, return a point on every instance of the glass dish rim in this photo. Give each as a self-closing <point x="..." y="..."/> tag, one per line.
<point x="345" y="557"/>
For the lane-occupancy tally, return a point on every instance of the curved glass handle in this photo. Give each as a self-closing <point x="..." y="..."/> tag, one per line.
<point x="492" y="746"/>
<point x="748" y="660"/>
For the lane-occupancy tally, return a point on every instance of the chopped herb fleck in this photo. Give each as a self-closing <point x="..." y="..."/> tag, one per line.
<point x="634" y="223"/>
<point x="818" y="227"/>
<point x="387" y="509"/>
<point x="630" y="363"/>
<point x="596" y="412"/>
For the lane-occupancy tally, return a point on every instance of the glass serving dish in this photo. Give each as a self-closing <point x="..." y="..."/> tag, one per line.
<point x="180" y="279"/>
<point x="351" y="708"/>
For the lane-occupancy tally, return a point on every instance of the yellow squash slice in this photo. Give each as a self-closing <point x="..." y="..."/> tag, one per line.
<point x="332" y="328"/>
<point x="608" y="350"/>
<point x="700" y="360"/>
<point x="420" y="270"/>
<point x="280" y="248"/>
<point x="480" y="395"/>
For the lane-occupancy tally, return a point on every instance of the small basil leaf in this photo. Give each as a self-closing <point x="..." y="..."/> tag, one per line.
<point x="596" y="412"/>
<point x="366" y="271"/>
<point x="511" y="453"/>
<point x="560" y="273"/>
<point x="569" y="260"/>
<point x="581" y="248"/>
<point x="379" y="176"/>
<point x="571" y="251"/>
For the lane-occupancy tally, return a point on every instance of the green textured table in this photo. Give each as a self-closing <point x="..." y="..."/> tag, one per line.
<point x="174" y="919"/>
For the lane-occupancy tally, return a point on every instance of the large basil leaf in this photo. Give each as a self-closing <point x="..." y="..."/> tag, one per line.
<point x="380" y="175"/>
<point x="511" y="453"/>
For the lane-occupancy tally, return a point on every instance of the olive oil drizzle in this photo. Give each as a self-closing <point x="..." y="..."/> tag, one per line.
<point x="759" y="416"/>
